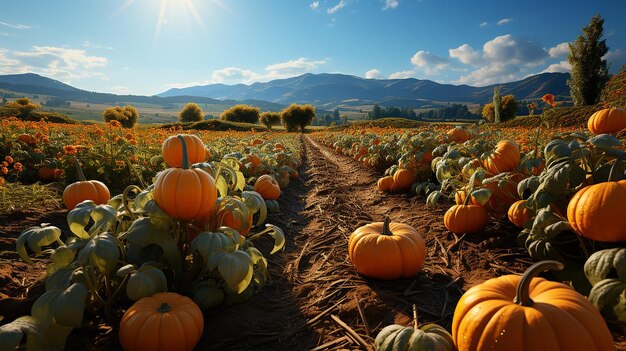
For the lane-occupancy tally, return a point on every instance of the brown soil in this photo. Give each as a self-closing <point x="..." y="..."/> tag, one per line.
<point x="314" y="287"/>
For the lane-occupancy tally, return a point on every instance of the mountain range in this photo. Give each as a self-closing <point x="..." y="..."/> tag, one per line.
<point x="325" y="91"/>
<point x="328" y="90"/>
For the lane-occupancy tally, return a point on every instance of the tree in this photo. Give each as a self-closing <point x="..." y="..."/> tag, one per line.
<point x="589" y="71"/>
<point x="126" y="115"/>
<point x="4" y="100"/>
<point x="376" y="112"/>
<point x="508" y="107"/>
<point x="497" y="105"/>
<point x="23" y="107"/>
<point x="241" y="113"/>
<point x="191" y="113"/>
<point x="270" y="119"/>
<point x="296" y="116"/>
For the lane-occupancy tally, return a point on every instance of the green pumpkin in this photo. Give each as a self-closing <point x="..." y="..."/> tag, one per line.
<point x="606" y="271"/>
<point x="272" y="206"/>
<point x="429" y="337"/>
<point x="146" y="281"/>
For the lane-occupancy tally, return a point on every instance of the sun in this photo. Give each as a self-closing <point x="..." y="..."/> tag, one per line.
<point x="176" y="8"/>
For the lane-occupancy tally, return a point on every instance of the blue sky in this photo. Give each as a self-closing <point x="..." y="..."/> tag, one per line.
<point x="148" y="46"/>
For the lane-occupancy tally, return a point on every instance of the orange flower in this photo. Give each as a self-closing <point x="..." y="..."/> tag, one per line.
<point x="129" y="136"/>
<point x="548" y="99"/>
<point x="120" y="163"/>
<point x="58" y="172"/>
<point x="133" y="142"/>
<point x="115" y="123"/>
<point x="17" y="166"/>
<point x="1" y="181"/>
<point x="69" y="149"/>
<point x="4" y="170"/>
<point x="5" y="164"/>
<point x="9" y="159"/>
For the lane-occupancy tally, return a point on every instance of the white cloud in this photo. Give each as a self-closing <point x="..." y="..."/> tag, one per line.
<point x="466" y="54"/>
<point x="402" y="75"/>
<point x="391" y="4"/>
<point x="616" y="59"/>
<point x="562" y="66"/>
<point x="293" y="67"/>
<point x="504" y="21"/>
<point x="430" y="63"/>
<point x="373" y="74"/>
<point x="509" y="49"/>
<point x="91" y="45"/>
<point x="58" y="62"/>
<point x="339" y="6"/>
<point x="14" y="26"/>
<point x="314" y="5"/>
<point x="491" y="74"/>
<point x="559" y="51"/>
<point x="483" y="24"/>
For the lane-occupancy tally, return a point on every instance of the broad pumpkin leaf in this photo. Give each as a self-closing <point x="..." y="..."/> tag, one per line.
<point x="60" y="279"/>
<point x="143" y="233"/>
<point x="37" y="237"/>
<point x="601" y="263"/>
<point x="210" y="246"/>
<point x="126" y="270"/>
<point x="52" y="337"/>
<point x="69" y="306"/>
<point x="103" y="216"/>
<point x="61" y="258"/>
<point x="42" y="307"/>
<point x="157" y="216"/>
<point x="116" y="202"/>
<point x="255" y="204"/>
<point x="278" y="235"/>
<point x="236" y="269"/>
<point x="11" y="334"/>
<point x="433" y="198"/>
<point x="481" y="195"/>
<point x="146" y="281"/>
<point x="141" y="200"/>
<point x="206" y="294"/>
<point x="102" y="252"/>
<point x="222" y="186"/>
<point x="604" y="142"/>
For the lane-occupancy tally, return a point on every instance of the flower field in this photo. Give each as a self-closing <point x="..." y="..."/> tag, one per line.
<point x="328" y="240"/>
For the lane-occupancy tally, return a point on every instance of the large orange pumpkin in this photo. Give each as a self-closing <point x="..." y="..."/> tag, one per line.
<point x="608" y="120"/>
<point x="268" y="187"/>
<point x="465" y="219"/>
<point x="404" y="178"/>
<point x="185" y="193"/>
<point x="163" y="321"/>
<point x="502" y="197"/>
<point x="458" y="135"/>
<point x="387" y="184"/>
<point x="385" y="250"/>
<point x="46" y="173"/>
<point x="84" y="189"/>
<point x="519" y="213"/>
<point x="173" y="150"/>
<point x="596" y="211"/>
<point x="513" y="313"/>
<point x="504" y="158"/>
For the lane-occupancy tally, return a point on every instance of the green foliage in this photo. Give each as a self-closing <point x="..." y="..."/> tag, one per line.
<point x="191" y="113"/>
<point x="497" y="105"/>
<point x="241" y="113"/>
<point x="508" y="109"/>
<point x="297" y="116"/>
<point x="614" y="92"/>
<point x="126" y="115"/>
<point x="270" y="119"/>
<point x="589" y="71"/>
<point x="22" y="107"/>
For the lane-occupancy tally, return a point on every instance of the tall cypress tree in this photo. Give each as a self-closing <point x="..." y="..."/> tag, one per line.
<point x="589" y="70"/>
<point x="497" y="105"/>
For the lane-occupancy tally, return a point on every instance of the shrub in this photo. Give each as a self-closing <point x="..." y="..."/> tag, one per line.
<point x="297" y="116"/>
<point x="270" y="119"/>
<point x="191" y="113"/>
<point x="509" y="107"/>
<point x="22" y="107"/>
<point x="241" y="113"/>
<point x="126" y="115"/>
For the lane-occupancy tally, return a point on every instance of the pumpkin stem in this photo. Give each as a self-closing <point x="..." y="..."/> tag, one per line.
<point x="522" y="296"/>
<point x="386" y="230"/>
<point x="185" y="154"/>
<point x="619" y="160"/>
<point x="164" y="308"/>
<point x="415" y="323"/>
<point x="79" y="171"/>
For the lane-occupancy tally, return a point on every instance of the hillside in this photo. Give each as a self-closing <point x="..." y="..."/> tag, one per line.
<point x="334" y="90"/>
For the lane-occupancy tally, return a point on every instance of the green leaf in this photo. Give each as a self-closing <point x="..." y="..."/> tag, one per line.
<point x="278" y="235"/>
<point x="69" y="307"/>
<point x="605" y="142"/>
<point x="236" y="269"/>
<point x="255" y="203"/>
<point x="60" y="279"/>
<point x="36" y="237"/>
<point x="146" y="281"/>
<point x="222" y="186"/>
<point x="482" y="195"/>
<point x="143" y="233"/>
<point x="11" y="334"/>
<point x="104" y="217"/>
<point x="433" y="198"/>
<point x="61" y="258"/>
<point x="210" y="246"/>
<point x="557" y="228"/>
<point x="42" y="308"/>
<point x="101" y="252"/>
<point x="125" y="270"/>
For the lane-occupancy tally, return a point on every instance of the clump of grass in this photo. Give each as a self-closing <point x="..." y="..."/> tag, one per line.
<point x="37" y="197"/>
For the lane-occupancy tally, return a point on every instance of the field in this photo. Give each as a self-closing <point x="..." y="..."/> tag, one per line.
<point x="301" y="290"/>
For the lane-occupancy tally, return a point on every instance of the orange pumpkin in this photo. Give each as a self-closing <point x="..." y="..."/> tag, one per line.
<point x="163" y="321"/>
<point x="595" y="211"/>
<point x="513" y="313"/>
<point x="519" y="213"/>
<point x="237" y="223"/>
<point x="255" y="160"/>
<point x="502" y="197"/>
<point x="27" y="138"/>
<point x="386" y="250"/>
<point x="608" y="120"/>
<point x="387" y="184"/>
<point x="173" y="150"/>
<point x="268" y="187"/>
<point x="185" y="193"/>
<point x="404" y="178"/>
<point x="465" y="219"/>
<point x="458" y="135"/>
<point x="504" y="158"/>
<point x="46" y="173"/>
<point x="84" y="189"/>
